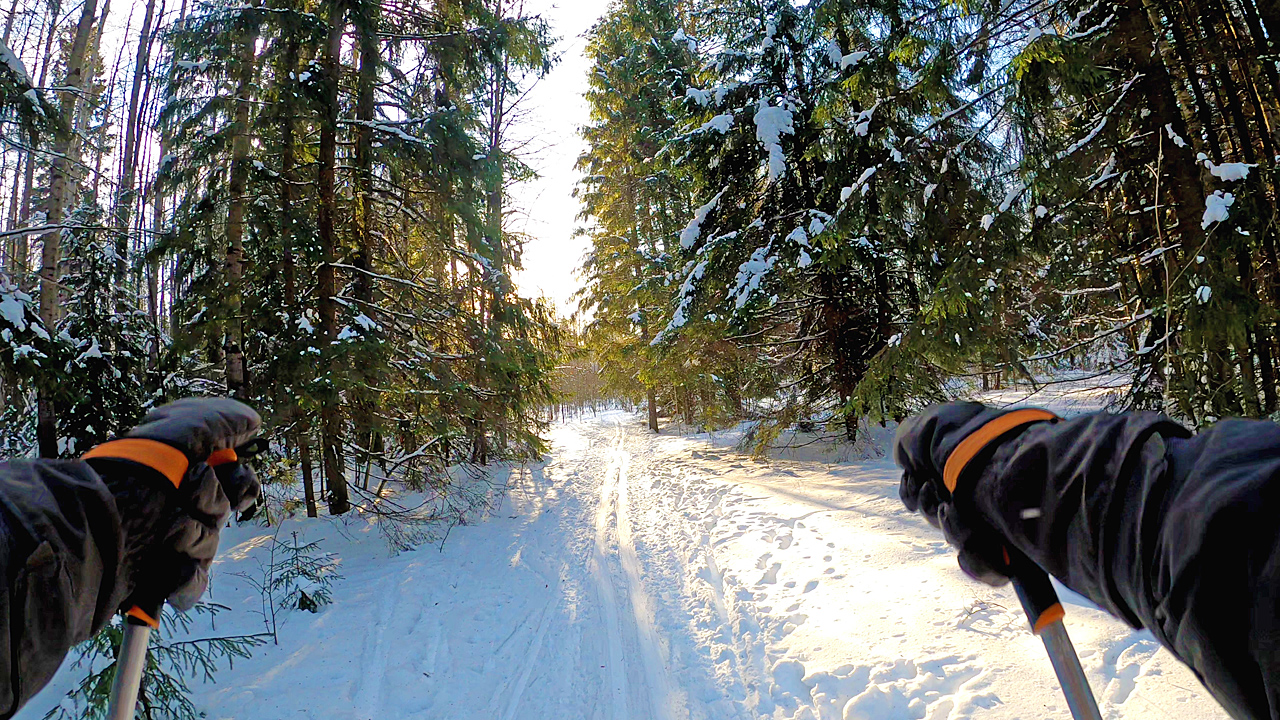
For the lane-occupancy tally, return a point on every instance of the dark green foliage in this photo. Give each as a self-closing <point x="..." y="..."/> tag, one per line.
<point x="170" y="665"/>
<point x="890" y="195"/>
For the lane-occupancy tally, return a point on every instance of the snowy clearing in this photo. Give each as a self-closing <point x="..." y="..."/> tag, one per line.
<point x="633" y="576"/>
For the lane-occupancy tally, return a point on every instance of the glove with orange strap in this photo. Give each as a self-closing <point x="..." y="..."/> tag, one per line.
<point x="934" y="450"/>
<point x="176" y="478"/>
<point x="1175" y="533"/>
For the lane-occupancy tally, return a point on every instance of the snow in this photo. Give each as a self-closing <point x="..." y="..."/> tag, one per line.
<point x="1229" y="172"/>
<point x="719" y="123"/>
<point x="771" y="124"/>
<point x="1203" y="293"/>
<point x="702" y="97"/>
<point x="865" y="177"/>
<point x="834" y="53"/>
<point x="690" y="44"/>
<point x="693" y="230"/>
<point x="724" y="90"/>
<point x="1175" y="137"/>
<point x="94" y="351"/>
<point x="852" y="59"/>
<point x="1215" y="208"/>
<point x="928" y="191"/>
<point x="1101" y="124"/>
<point x="634" y="576"/>
<point x="862" y="125"/>
<point x="14" y="63"/>
<point x="12" y="308"/>
<point x="750" y="275"/>
<point x="987" y="220"/>
<point x="1010" y="197"/>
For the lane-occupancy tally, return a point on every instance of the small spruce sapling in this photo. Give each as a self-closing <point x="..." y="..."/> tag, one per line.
<point x="170" y="664"/>
<point x="296" y="575"/>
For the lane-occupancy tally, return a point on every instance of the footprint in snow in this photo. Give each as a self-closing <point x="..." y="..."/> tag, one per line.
<point x="1128" y="664"/>
<point x="770" y="575"/>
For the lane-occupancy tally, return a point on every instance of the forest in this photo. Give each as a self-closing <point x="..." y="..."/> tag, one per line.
<point x="295" y="204"/>
<point x="806" y="216"/>
<point x="838" y="212"/>
<point x="823" y="213"/>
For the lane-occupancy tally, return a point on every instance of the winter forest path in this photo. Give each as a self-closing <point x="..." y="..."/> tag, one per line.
<point x="640" y="577"/>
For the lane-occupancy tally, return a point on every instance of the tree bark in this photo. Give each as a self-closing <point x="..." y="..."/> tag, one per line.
<point x="234" y="268"/>
<point x="364" y="398"/>
<point x="51" y="254"/>
<point x="123" y="205"/>
<point x="330" y="412"/>
<point x="21" y="248"/>
<point x="308" y="482"/>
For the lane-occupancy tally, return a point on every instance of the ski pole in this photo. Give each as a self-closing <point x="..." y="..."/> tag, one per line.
<point x="1044" y="612"/>
<point x="139" y="622"/>
<point x="131" y="662"/>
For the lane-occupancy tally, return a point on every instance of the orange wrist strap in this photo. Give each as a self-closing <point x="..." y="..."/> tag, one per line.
<point x="222" y="457"/>
<point x="144" y="616"/>
<point x="165" y="459"/>
<point x="969" y="448"/>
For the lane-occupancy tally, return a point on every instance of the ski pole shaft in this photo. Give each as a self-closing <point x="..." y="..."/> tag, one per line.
<point x="130" y="664"/>
<point x="1045" y="613"/>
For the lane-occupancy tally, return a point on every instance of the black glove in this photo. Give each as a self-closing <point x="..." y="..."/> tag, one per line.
<point x="171" y="502"/>
<point x="922" y="447"/>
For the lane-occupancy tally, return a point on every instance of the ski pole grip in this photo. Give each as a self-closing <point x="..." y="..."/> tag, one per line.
<point x="1035" y="591"/>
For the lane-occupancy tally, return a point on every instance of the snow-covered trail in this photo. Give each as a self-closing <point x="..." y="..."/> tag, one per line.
<point x="670" y="578"/>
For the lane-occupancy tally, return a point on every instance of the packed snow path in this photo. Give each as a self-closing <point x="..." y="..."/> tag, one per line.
<point x="634" y="577"/>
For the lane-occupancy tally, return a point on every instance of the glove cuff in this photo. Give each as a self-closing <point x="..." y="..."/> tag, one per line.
<point x="165" y="459"/>
<point x="985" y="436"/>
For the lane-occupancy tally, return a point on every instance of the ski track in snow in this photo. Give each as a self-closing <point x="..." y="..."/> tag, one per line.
<point x="634" y="577"/>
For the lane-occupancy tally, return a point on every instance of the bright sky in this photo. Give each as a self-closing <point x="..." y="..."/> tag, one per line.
<point x="546" y="209"/>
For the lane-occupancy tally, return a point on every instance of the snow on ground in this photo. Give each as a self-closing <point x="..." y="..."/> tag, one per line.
<point x="639" y="577"/>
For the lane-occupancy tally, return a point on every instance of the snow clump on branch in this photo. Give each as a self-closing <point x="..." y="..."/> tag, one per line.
<point x="693" y="230"/>
<point x="771" y="124"/>
<point x="1215" y="208"/>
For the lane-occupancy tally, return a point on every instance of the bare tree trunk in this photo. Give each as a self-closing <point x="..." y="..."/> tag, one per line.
<point x="153" y="279"/>
<point x="21" y="248"/>
<point x="84" y="119"/>
<point x="123" y="204"/>
<point x="308" y="482"/>
<point x="234" y="345"/>
<point x="364" y="399"/>
<point x="51" y="255"/>
<point x="330" y="417"/>
<point x="8" y="23"/>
